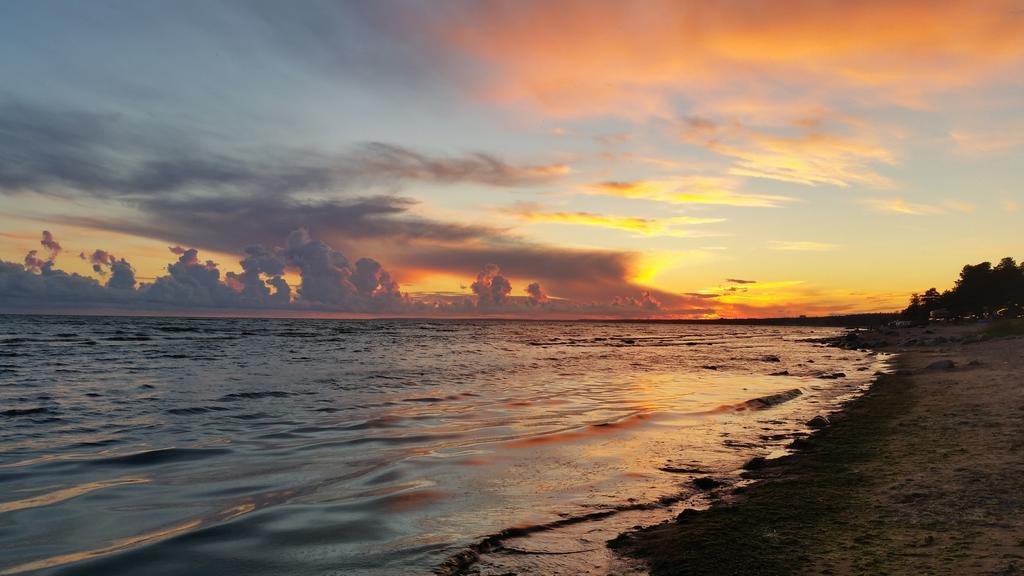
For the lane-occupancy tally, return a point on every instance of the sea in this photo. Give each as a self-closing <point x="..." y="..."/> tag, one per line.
<point x="221" y="446"/>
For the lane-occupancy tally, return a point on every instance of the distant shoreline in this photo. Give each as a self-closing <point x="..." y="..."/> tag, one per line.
<point x="865" y="320"/>
<point x="921" y="474"/>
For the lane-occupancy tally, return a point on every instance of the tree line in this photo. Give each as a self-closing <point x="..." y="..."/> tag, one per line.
<point x="981" y="291"/>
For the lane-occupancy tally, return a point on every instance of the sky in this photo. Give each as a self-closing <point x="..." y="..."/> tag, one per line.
<point x="561" y="158"/>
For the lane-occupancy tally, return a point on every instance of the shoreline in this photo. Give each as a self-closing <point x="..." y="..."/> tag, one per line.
<point x="921" y="474"/>
<point x="695" y="486"/>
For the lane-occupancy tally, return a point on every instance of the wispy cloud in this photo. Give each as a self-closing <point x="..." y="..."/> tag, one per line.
<point x="74" y="152"/>
<point x="670" y="226"/>
<point x="808" y="150"/>
<point x="687" y="190"/>
<point x="801" y="246"/>
<point x="988" y="142"/>
<point x="897" y="205"/>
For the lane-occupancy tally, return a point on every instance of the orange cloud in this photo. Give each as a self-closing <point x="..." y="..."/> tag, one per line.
<point x="640" y="226"/>
<point x="686" y="190"/>
<point x="599" y="57"/>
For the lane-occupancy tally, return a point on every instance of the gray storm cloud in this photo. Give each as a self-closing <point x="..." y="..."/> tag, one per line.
<point x="70" y="152"/>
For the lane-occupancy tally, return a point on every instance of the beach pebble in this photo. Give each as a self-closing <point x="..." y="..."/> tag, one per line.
<point x="832" y="376"/>
<point x="819" y="422"/>
<point x="756" y="463"/>
<point x="705" y="483"/>
<point x="686" y="514"/>
<point x="942" y="365"/>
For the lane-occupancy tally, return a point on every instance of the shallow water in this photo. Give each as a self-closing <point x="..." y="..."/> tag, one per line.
<point x="255" y="446"/>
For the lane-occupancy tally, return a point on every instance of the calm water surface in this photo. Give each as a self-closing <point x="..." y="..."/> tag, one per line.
<point x="253" y="446"/>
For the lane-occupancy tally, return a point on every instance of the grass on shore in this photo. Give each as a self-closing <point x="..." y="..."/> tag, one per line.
<point x="796" y="523"/>
<point x="1008" y="327"/>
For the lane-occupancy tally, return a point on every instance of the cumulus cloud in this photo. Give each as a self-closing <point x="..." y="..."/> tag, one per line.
<point x="328" y="281"/>
<point x="536" y="294"/>
<point x="252" y="286"/>
<point x="190" y="281"/>
<point x="122" y="274"/>
<point x="585" y="274"/>
<point x="34" y="263"/>
<point x="100" y="260"/>
<point x="490" y="287"/>
<point x="52" y="246"/>
<point x="645" y="301"/>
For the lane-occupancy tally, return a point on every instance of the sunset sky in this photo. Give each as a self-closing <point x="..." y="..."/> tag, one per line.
<point x="688" y="159"/>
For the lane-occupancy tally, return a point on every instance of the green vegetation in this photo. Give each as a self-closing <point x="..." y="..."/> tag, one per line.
<point x="981" y="291"/>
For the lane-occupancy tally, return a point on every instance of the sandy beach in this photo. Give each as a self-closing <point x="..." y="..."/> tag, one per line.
<point x="924" y="474"/>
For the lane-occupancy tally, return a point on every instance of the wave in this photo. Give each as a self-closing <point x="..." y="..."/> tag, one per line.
<point x="161" y="456"/>
<point x="234" y="397"/>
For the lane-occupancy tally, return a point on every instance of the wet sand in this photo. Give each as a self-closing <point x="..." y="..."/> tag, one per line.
<point x="924" y="474"/>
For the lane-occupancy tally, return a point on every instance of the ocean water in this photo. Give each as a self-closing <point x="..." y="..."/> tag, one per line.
<point x="257" y="446"/>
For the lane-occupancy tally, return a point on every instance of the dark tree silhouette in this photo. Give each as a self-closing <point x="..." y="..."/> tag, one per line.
<point x="981" y="291"/>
